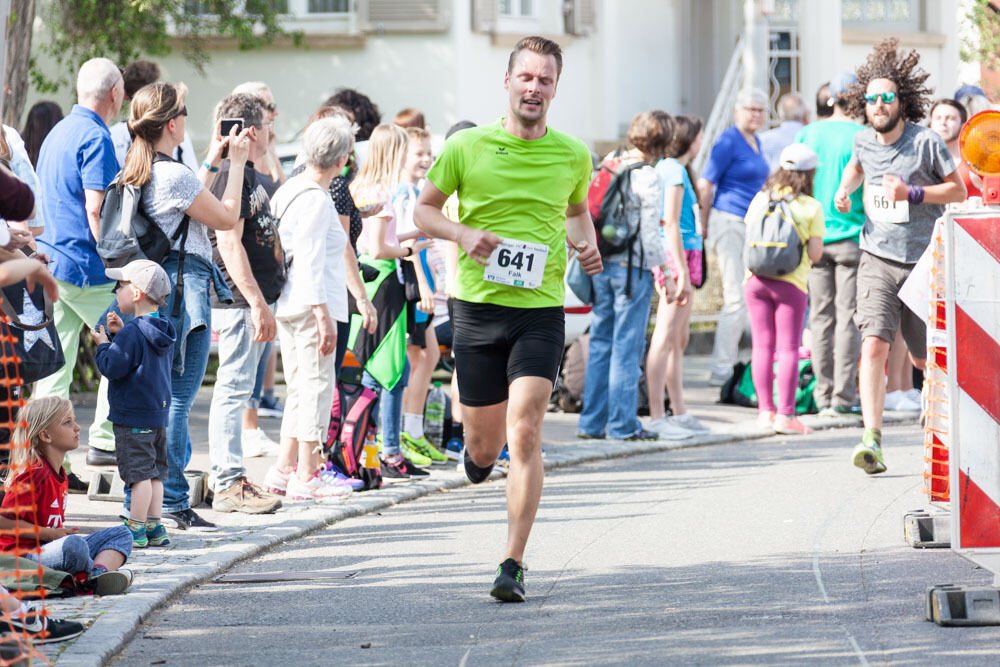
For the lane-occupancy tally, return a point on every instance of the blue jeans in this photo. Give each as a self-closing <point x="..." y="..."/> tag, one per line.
<point x="239" y="358"/>
<point x="617" y="342"/>
<point x="75" y="553"/>
<point x="390" y="410"/>
<point x="258" y="385"/>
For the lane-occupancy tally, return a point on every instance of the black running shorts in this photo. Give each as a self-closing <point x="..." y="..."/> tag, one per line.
<point x="494" y="345"/>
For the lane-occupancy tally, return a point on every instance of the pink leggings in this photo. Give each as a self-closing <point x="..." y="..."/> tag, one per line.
<point x="776" y="310"/>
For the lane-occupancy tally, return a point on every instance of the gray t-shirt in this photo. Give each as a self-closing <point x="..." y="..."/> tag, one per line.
<point x="918" y="157"/>
<point x="171" y="191"/>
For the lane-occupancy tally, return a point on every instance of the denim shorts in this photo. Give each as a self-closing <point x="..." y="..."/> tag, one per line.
<point x="142" y="453"/>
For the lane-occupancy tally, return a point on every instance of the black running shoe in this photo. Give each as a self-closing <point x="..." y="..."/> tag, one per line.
<point x="41" y="629"/>
<point x="393" y="469"/>
<point x="76" y="485"/>
<point x="187" y="519"/>
<point x="509" y="584"/>
<point x="475" y="474"/>
<point x="412" y="470"/>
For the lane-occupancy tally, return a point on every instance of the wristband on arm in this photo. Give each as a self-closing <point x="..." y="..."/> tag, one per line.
<point x="915" y="194"/>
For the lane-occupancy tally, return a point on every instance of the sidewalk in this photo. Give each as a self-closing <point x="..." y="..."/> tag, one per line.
<point x="196" y="556"/>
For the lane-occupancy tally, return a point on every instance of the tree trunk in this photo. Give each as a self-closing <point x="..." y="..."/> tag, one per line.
<point x="22" y="14"/>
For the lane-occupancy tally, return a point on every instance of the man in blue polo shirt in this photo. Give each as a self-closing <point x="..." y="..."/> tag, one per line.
<point x="736" y="170"/>
<point x="75" y="165"/>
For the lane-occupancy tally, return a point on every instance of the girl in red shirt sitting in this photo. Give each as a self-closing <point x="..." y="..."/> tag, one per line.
<point x="32" y="512"/>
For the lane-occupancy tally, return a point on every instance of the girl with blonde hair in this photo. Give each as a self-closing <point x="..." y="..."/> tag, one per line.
<point x="32" y="514"/>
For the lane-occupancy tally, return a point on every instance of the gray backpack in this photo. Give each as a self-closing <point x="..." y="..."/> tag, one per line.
<point x="773" y="246"/>
<point x="126" y="232"/>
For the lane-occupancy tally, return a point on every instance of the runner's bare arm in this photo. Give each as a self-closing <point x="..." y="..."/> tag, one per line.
<point x="477" y="243"/>
<point x="952" y="189"/>
<point x="581" y="235"/>
<point x="849" y="182"/>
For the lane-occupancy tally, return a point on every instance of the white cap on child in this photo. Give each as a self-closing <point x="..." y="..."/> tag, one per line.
<point x="798" y="157"/>
<point x="147" y="275"/>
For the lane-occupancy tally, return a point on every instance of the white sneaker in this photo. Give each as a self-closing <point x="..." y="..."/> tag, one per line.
<point x="275" y="481"/>
<point x="689" y="422"/>
<point x="914" y="395"/>
<point x="314" y="489"/>
<point x="256" y="443"/>
<point x="900" y="401"/>
<point x="667" y="430"/>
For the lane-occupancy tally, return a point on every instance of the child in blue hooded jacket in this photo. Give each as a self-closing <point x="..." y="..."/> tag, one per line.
<point x="137" y="364"/>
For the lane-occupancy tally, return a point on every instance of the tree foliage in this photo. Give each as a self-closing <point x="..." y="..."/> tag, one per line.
<point x="984" y="18"/>
<point x="123" y="30"/>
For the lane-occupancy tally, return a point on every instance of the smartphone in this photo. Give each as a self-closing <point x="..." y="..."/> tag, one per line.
<point x="227" y="125"/>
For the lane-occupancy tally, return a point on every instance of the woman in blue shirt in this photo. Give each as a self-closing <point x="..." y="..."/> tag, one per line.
<point x="735" y="172"/>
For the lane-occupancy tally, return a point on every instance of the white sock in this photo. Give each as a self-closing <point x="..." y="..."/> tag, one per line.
<point x="414" y="425"/>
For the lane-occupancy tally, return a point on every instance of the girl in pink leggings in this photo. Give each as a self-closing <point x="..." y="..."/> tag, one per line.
<point x="777" y="304"/>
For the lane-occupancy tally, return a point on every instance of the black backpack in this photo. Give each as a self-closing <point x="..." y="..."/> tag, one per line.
<point x="773" y="246"/>
<point x="607" y="199"/>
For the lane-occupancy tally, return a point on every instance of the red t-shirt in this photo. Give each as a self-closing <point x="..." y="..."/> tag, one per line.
<point x="971" y="190"/>
<point x="38" y="496"/>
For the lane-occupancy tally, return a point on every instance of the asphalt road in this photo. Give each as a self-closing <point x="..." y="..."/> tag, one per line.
<point x="772" y="551"/>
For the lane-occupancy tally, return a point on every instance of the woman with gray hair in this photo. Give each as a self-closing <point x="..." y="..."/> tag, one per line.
<point x="735" y="172"/>
<point x="314" y="296"/>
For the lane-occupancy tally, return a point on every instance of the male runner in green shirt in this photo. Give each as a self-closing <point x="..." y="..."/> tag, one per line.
<point x="522" y="190"/>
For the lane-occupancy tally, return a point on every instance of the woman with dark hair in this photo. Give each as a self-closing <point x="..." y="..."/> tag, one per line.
<point x="777" y="304"/>
<point x="622" y="293"/>
<point x="42" y="117"/>
<point x="683" y="243"/>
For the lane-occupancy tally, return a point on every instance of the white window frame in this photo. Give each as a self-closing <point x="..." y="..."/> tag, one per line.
<point x="912" y="25"/>
<point x="517" y="7"/>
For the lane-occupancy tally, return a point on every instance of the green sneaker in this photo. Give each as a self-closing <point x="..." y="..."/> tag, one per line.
<point x="423" y="446"/>
<point x="156" y="534"/>
<point x="868" y="453"/>
<point x="412" y="454"/>
<point x="138" y="530"/>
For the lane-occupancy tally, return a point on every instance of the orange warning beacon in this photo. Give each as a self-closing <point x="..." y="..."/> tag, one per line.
<point x="979" y="143"/>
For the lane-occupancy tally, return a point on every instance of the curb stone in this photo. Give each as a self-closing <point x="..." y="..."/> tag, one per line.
<point x="111" y="632"/>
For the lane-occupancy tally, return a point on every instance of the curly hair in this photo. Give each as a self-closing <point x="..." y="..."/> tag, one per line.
<point x="885" y="62"/>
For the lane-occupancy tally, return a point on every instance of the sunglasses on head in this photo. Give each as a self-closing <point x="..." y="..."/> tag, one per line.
<point x="888" y="97"/>
<point x="183" y="111"/>
<point x="272" y="107"/>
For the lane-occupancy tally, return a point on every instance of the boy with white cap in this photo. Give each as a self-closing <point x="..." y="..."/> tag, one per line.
<point x="137" y="366"/>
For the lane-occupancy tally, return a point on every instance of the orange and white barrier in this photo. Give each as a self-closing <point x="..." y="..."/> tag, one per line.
<point x="936" y="434"/>
<point x="972" y="316"/>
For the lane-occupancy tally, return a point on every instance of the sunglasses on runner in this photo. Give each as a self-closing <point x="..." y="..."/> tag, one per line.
<point x="888" y="97"/>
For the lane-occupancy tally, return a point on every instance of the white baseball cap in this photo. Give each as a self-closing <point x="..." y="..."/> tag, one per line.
<point x="147" y="275"/>
<point x="798" y="157"/>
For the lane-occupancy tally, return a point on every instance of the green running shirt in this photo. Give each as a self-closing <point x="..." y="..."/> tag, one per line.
<point x="517" y="189"/>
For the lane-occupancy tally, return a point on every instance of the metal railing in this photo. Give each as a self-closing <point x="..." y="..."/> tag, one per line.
<point x="722" y="109"/>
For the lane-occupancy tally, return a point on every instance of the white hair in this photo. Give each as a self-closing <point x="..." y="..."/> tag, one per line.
<point x="251" y="88"/>
<point x="748" y="95"/>
<point x="97" y="77"/>
<point x="791" y="106"/>
<point x="327" y="140"/>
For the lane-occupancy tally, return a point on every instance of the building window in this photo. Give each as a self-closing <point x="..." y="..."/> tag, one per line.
<point x="517" y="8"/>
<point x="894" y="15"/>
<point x="329" y="6"/>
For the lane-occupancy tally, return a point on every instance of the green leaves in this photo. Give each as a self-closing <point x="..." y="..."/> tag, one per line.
<point x="124" y="30"/>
